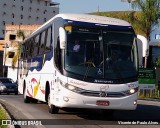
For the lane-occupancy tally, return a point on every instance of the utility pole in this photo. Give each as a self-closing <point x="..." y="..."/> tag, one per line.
<point x="4" y="58"/>
<point x="98" y="9"/>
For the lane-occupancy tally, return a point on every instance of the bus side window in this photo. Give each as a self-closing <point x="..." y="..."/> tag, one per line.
<point x="48" y="40"/>
<point x="36" y="42"/>
<point x="26" y="50"/>
<point x="57" y="55"/>
<point x="22" y="51"/>
<point x="42" y="42"/>
<point x="31" y="48"/>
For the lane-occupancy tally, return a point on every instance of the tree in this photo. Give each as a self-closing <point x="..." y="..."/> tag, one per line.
<point x="150" y="10"/>
<point x="16" y="56"/>
<point x="21" y="36"/>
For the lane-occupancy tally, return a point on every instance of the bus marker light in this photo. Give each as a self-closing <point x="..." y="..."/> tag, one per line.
<point x="66" y="99"/>
<point x="135" y="102"/>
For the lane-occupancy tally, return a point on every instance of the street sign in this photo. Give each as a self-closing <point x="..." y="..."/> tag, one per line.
<point x="147" y="73"/>
<point x="147" y="79"/>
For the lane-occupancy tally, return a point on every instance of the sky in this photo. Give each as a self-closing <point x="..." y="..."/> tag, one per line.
<point x="87" y="6"/>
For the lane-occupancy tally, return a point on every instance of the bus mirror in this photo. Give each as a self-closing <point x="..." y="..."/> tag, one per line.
<point x="62" y="37"/>
<point x="145" y="45"/>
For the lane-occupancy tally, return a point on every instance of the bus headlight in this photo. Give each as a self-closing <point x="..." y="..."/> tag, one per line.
<point x="131" y="91"/>
<point x="71" y="87"/>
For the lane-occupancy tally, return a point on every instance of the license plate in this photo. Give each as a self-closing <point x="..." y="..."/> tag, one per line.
<point x="102" y="103"/>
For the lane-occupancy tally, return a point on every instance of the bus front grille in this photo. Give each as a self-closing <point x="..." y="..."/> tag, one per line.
<point x="102" y="94"/>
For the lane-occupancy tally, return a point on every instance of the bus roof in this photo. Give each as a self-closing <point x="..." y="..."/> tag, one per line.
<point x="102" y="20"/>
<point x="94" y="19"/>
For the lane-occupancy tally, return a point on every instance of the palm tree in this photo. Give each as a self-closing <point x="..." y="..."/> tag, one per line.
<point x="150" y="10"/>
<point x="16" y="56"/>
<point x="21" y="36"/>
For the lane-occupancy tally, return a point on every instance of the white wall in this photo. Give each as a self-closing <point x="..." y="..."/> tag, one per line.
<point x="12" y="73"/>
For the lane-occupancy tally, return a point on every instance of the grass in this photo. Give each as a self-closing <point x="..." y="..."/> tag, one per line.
<point x="3" y="115"/>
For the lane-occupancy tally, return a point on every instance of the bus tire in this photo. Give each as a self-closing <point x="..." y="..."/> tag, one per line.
<point x="25" y="97"/>
<point x="52" y="108"/>
<point x="34" y="100"/>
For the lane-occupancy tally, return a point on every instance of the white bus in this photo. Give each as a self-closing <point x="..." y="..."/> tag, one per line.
<point x="81" y="61"/>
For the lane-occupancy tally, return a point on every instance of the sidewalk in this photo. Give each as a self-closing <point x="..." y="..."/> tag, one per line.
<point x="150" y="99"/>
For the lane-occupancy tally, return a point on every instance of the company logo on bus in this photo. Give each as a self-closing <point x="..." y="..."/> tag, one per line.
<point x="103" y="81"/>
<point x="103" y="94"/>
<point x="104" y="88"/>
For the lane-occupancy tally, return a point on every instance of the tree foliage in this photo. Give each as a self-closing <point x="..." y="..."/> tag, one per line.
<point x="145" y="15"/>
<point x="20" y="34"/>
<point x="150" y="10"/>
<point x="125" y="15"/>
<point x="16" y="56"/>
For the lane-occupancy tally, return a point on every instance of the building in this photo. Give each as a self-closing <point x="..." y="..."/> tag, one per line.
<point x="154" y="43"/>
<point x="26" y="12"/>
<point x="1" y="57"/>
<point x="23" y="12"/>
<point x="155" y="33"/>
<point x="12" y="42"/>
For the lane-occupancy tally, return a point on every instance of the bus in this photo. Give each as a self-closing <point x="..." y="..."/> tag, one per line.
<point x="68" y="63"/>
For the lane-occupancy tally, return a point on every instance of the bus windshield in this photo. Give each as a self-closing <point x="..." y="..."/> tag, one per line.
<point x="97" y="53"/>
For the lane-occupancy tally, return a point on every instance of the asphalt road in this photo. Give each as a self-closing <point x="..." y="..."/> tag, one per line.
<point x="146" y="112"/>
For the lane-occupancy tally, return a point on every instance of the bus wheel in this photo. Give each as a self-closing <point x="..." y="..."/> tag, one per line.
<point x="52" y="108"/>
<point x="34" y="100"/>
<point x="25" y="97"/>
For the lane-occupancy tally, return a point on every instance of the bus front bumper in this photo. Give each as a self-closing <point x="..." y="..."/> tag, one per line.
<point x="75" y="100"/>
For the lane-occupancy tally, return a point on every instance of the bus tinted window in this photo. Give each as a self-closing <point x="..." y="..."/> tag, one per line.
<point x="36" y="46"/>
<point x="42" y="44"/>
<point x="22" y="51"/>
<point x="49" y="39"/>
<point x="31" y="45"/>
<point x="25" y="51"/>
<point x="57" y="54"/>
